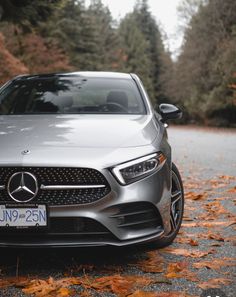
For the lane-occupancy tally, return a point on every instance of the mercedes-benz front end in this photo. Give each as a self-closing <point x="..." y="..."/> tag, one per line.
<point x="85" y="161"/>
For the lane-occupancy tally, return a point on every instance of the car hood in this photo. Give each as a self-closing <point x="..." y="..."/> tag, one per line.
<point x="50" y="135"/>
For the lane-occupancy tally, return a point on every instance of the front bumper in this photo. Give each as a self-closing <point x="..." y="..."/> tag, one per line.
<point x="132" y="214"/>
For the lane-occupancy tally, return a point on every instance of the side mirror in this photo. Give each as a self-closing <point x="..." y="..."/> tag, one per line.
<point x="170" y="112"/>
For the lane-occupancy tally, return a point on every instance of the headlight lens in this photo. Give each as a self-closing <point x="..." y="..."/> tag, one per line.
<point x="137" y="169"/>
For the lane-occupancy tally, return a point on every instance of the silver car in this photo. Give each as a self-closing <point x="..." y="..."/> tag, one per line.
<point x="85" y="161"/>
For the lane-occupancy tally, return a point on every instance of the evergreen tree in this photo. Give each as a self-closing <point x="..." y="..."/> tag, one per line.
<point x="102" y="52"/>
<point x="149" y="28"/>
<point x="135" y="51"/>
<point x="26" y="13"/>
<point x="86" y="35"/>
<point x="207" y="64"/>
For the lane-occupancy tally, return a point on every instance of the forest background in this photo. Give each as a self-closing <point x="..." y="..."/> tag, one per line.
<point x="66" y="35"/>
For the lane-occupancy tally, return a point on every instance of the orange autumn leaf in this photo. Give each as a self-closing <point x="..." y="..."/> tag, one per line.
<point x="187" y="219"/>
<point x="11" y="281"/>
<point x="216" y="264"/>
<point x="176" y="267"/>
<point x="193" y="242"/>
<point x="187" y="253"/>
<point x="214" y="283"/>
<point x="230" y="239"/>
<point x="186" y="240"/>
<point x="64" y="292"/>
<point x="179" y="270"/>
<point x="216" y="184"/>
<point x="215" y="209"/>
<point x="209" y="224"/>
<point x="191" y="185"/>
<point x="117" y="284"/>
<point x="215" y="236"/>
<point x="121" y="285"/>
<point x="50" y="287"/>
<point x="227" y="177"/>
<point x="233" y="190"/>
<point x="153" y="264"/>
<point x="195" y="196"/>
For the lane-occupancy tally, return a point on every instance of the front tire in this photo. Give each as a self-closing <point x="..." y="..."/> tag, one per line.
<point x="176" y="209"/>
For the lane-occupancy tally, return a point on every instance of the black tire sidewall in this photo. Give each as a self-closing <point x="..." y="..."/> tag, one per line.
<point x="168" y="239"/>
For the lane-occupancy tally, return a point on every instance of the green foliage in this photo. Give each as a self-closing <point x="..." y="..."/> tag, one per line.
<point x="61" y="35"/>
<point x="143" y="46"/>
<point x="207" y="64"/>
<point x="86" y="35"/>
<point x="135" y="51"/>
<point x="26" y="13"/>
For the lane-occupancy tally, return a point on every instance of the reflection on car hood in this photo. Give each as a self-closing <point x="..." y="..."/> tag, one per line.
<point x="75" y="140"/>
<point x="107" y="131"/>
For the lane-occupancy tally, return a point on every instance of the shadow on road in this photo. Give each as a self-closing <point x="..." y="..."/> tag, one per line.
<point x="66" y="260"/>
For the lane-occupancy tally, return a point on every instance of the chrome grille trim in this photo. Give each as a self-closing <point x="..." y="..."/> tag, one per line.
<point x="73" y="187"/>
<point x="2" y="188"/>
<point x="60" y="185"/>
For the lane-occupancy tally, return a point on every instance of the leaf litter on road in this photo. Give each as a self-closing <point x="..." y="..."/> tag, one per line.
<point x="213" y="216"/>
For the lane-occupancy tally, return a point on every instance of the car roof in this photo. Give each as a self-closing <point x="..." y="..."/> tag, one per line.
<point x="93" y="74"/>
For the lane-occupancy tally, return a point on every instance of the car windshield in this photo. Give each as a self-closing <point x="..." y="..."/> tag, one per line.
<point x="71" y="95"/>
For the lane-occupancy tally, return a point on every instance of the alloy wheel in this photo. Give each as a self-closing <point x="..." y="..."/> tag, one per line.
<point x="176" y="202"/>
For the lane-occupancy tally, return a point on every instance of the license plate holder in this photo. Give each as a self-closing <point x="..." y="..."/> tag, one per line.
<point x="33" y="216"/>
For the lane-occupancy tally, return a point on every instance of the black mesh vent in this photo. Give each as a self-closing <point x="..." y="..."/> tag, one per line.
<point x="60" y="176"/>
<point x="136" y="216"/>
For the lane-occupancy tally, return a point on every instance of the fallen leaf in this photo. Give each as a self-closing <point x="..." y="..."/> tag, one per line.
<point x="214" y="283"/>
<point x="191" y="185"/>
<point x="216" y="244"/>
<point x="195" y="196"/>
<point x="216" y="184"/>
<point x="215" y="236"/>
<point x="12" y="281"/>
<point x="227" y="177"/>
<point x="116" y="284"/>
<point x="187" y="218"/>
<point x="233" y="190"/>
<point x="123" y="285"/>
<point x="185" y="240"/>
<point x="64" y="292"/>
<point x="210" y="224"/>
<point x="187" y="253"/>
<point x="230" y="239"/>
<point x="216" y="264"/>
<point x="153" y="264"/>
<point x="193" y="242"/>
<point x="179" y="270"/>
<point x="50" y="287"/>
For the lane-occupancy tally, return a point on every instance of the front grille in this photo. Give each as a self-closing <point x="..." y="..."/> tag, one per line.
<point x="136" y="216"/>
<point x="82" y="226"/>
<point x="58" y="176"/>
<point x="61" y="229"/>
<point x="64" y="226"/>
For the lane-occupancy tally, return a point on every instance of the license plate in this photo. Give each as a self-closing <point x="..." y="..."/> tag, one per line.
<point x="23" y="217"/>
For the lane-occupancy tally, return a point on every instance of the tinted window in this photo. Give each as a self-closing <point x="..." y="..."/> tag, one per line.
<point x="65" y="95"/>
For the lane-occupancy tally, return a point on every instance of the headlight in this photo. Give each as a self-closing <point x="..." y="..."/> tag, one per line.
<point x="139" y="168"/>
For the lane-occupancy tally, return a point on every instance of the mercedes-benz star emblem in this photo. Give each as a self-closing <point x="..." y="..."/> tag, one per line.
<point x="22" y="187"/>
<point x="25" y="152"/>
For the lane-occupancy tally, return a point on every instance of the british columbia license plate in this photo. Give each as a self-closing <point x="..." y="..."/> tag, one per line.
<point x="30" y="216"/>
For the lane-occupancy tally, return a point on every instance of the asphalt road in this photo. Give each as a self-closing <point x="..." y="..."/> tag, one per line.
<point x="207" y="161"/>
